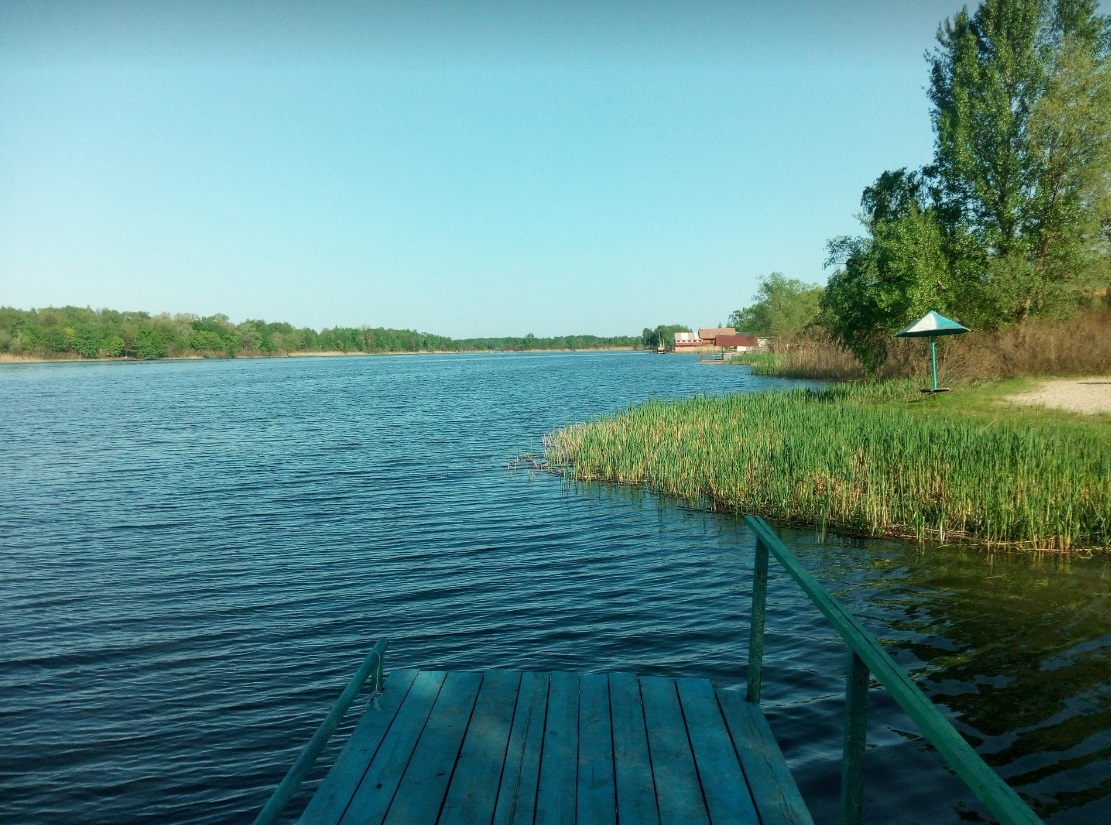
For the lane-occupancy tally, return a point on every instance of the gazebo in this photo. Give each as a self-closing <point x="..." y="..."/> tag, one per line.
<point x="931" y="325"/>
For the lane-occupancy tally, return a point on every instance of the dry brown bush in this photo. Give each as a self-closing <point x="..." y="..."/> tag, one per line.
<point x="1079" y="345"/>
<point x="814" y="355"/>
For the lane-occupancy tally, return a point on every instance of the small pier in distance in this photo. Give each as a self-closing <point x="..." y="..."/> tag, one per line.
<point x="510" y="747"/>
<point x="502" y="746"/>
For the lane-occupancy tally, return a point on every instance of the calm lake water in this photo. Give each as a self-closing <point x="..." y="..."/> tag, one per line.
<point x="196" y="556"/>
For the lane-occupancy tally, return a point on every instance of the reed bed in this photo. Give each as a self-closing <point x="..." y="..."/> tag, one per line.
<point x="854" y="459"/>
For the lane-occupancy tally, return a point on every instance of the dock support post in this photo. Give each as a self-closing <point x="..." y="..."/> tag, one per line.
<point x="856" y="737"/>
<point x="756" y="628"/>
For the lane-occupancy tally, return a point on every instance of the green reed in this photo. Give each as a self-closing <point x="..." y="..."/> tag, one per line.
<point x="857" y="459"/>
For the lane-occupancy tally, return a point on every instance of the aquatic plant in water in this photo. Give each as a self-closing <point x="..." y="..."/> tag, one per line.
<point x="848" y="459"/>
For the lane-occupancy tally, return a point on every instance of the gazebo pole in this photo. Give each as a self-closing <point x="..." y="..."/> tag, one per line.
<point x="933" y="359"/>
<point x="931" y="325"/>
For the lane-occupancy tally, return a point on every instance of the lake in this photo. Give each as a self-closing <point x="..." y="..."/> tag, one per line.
<point x="195" y="556"/>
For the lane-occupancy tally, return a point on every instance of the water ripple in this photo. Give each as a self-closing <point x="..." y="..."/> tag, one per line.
<point x="196" y="556"/>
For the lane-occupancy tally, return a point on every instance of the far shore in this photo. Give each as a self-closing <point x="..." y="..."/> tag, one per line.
<point x="8" y="358"/>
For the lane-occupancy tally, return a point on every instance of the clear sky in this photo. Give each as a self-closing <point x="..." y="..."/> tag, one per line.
<point x="468" y="168"/>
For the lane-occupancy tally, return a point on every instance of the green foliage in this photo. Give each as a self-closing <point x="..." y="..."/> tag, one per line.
<point x="663" y="334"/>
<point x="106" y="333"/>
<point x="88" y="341"/>
<point x="762" y="363"/>
<point x="872" y="459"/>
<point x="113" y="347"/>
<point x="1022" y="113"/>
<point x="1011" y="219"/>
<point x="151" y="342"/>
<point x="890" y="278"/>
<point x="781" y="306"/>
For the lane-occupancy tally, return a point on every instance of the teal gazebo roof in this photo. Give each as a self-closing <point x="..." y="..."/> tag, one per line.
<point x="930" y="325"/>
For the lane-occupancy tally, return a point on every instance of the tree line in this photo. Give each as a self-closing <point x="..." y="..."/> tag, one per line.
<point x="107" y="333"/>
<point x="1011" y="219"/>
<point x="663" y="335"/>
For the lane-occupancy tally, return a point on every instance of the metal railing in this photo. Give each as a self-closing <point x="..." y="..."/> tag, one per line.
<point x="867" y="657"/>
<point x="371" y="667"/>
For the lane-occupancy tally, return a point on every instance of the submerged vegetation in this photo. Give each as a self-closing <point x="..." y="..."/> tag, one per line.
<point x="76" y="332"/>
<point x="871" y="460"/>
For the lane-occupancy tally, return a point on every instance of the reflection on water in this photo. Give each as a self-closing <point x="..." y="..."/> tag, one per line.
<point x="195" y="556"/>
<point x="1014" y="646"/>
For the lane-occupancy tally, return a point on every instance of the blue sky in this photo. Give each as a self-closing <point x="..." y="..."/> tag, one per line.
<point x="482" y="168"/>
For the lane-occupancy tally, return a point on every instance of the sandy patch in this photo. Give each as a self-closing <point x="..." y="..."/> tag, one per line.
<point x="1086" y="395"/>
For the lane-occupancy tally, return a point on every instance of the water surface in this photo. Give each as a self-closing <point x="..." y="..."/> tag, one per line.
<point x="195" y="556"/>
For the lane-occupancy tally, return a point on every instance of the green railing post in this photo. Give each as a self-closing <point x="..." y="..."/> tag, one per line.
<point x="371" y="667"/>
<point x="756" y="628"/>
<point x="856" y="737"/>
<point x="997" y="796"/>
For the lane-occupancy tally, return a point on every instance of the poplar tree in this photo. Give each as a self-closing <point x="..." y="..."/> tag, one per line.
<point x="1021" y="108"/>
<point x="1013" y="216"/>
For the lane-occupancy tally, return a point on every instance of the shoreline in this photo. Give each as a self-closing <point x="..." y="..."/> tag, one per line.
<point x="8" y="359"/>
<point x="728" y="454"/>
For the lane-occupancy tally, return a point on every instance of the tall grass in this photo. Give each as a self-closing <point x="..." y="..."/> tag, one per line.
<point x="1079" y="345"/>
<point x="856" y="460"/>
<point x="759" y="360"/>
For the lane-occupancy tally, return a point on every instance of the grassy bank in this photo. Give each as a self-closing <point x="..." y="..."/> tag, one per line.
<point x="872" y="460"/>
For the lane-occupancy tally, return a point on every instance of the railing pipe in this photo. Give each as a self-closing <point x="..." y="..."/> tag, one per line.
<point x="372" y="666"/>
<point x="996" y="795"/>
<point x="856" y="738"/>
<point x="756" y="626"/>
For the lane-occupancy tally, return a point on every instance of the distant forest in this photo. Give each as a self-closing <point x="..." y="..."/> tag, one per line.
<point x="69" y="332"/>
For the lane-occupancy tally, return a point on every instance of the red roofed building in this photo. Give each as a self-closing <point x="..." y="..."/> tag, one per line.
<point x="709" y="335"/>
<point x="740" y="343"/>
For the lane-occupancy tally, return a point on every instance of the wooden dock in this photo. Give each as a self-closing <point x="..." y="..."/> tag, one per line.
<point x="503" y="746"/>
<point x="510" y="747"/>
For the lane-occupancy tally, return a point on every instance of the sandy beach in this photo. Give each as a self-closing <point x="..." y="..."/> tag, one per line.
<point x="1086" y="395"/>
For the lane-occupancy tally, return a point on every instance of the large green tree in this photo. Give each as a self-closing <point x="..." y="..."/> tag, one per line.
<point x="663" y="334"/>
<point x="1012" y="217"/>
<point x="781" y="306"/>
<point x="1021" y="108"/>
<point x="895" y="273"/>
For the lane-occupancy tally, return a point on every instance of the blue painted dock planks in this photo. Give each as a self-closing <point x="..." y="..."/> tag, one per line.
<point x="597" y="793"/>
<point x="517" y="791"/>
<point x="636" y="789"/>
<point x="508" y="747"/>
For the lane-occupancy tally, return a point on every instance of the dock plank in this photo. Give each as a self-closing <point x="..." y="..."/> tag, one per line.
<point x="597" y="798"/>
<point x="521" y="775"/>
<point x="375" y="792"/>
<point x="332" y="797"/>
<point x="507" y="747"/>
<point x="774" y="791"/>
<point x="470" y="797"/>
<point x="636" y="792"/>
<point x="724" y="787"/>
<point x="424" y="785"/>
<point x="678" y="791"/>
<point x="556" y="796"/>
